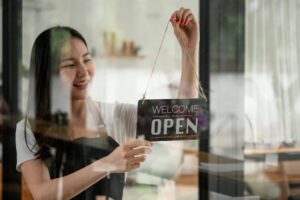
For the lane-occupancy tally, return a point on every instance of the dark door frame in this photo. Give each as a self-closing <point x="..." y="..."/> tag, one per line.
<point x="12" y="59"/>
<point x="204" y="80"/>
<point x="209" y="16"/>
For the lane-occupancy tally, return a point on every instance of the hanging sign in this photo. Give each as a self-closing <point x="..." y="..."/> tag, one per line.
<point x="172" y="119"/>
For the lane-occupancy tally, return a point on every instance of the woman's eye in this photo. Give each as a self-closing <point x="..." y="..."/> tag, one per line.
<point x="71" y="65"/>
<point x="87" y="60"/>
<point x="68" y="66"/>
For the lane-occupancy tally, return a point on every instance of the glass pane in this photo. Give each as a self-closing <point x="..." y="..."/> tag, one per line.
<point x="272" y="98"/>
<point x="225" y="161"/>
<point x="123" y="38"/>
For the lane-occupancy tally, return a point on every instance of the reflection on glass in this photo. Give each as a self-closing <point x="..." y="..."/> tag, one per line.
<point x="272" y="98"/>
<point x="74" y="124"/>
<point x="272" y="72"/>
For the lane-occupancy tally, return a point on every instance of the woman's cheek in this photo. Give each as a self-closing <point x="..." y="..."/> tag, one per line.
<point x="92" y="70"/>
<point x="67" y="80"/>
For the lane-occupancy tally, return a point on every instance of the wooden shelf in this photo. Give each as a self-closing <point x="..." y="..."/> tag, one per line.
<point x="266" y="150"/>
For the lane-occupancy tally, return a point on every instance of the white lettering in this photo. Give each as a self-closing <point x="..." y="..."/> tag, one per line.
<point x="191" y="125"/>
<point x="156" y="109"/>
<point x="164" y="109"/>
<point x="178" y="125"/>
<point x="181" y="125"/>
<point x="168" y="123"/>
<point x="156" y="127"/>
<point x="175" y="109"/>
<point x="182" y="109"/>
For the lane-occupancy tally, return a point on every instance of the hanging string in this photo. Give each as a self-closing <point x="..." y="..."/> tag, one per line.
<point x="154" y="65"/>
<point x="198" y="87"/>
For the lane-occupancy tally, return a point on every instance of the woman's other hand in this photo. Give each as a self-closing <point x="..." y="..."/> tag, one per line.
<point x="186" y="28"/>
<point x="128" y="156"/>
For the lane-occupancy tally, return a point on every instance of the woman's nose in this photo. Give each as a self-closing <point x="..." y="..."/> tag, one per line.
<point x="81" y="70"/>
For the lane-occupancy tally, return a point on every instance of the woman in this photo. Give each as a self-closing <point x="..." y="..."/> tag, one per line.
<point x="73" y="161"/>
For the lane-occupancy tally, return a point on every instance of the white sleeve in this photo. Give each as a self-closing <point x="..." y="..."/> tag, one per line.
<point x="120" y="121"/>
<point x="25" y="151"/>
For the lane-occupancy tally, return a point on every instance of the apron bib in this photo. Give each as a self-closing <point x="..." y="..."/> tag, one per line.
<point x="81" y="152"/>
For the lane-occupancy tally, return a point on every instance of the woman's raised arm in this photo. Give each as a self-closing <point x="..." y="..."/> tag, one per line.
<point x="186" y="29"/>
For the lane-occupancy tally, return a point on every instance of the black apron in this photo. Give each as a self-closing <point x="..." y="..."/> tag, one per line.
<point x="74" y="155"/>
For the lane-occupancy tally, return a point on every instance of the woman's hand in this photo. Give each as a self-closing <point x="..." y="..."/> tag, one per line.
<point x="127" y="156"/>
<point x="186" y="29"/>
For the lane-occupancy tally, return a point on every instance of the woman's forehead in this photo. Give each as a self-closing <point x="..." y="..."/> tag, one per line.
<point x="73" y="47"/>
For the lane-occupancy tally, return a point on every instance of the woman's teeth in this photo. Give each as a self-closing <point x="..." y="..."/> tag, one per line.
<point x="80" y="84"/>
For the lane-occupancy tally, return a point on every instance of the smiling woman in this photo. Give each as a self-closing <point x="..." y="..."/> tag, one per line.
<point x="59" y="161"/>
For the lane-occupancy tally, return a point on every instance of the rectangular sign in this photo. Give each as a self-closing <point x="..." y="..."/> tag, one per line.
<point x="172" y="119"/>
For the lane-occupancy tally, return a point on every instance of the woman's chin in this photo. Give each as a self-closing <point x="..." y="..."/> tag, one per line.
<point x="82" y="96"/>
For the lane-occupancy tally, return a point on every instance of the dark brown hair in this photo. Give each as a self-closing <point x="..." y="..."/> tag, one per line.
<point x="44" y="62"/>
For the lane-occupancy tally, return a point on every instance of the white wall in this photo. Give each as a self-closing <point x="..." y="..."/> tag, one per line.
<point x="142" y="21"/>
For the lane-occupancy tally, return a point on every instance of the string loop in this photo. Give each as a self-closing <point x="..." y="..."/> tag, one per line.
<point x="198" y="87"/>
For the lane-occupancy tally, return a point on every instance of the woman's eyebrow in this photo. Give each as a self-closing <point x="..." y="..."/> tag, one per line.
<point x="86" y="54"/>
<point x="67" y="59"/>
<point x="71" y="58"/>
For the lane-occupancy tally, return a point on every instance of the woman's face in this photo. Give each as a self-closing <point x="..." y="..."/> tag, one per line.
<point x="76" y="68"/>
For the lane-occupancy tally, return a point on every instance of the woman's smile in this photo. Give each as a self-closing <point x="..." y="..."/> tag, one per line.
<point x="81" y="85"/>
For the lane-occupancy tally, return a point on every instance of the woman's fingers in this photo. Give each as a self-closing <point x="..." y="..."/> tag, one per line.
<point x="137" y="143"/>
<point x="128" y="156"/>
<point x="189" y="18"/>
<point x="174" y="20"/>
<point x="138" y="159"/>
<point x="179" y="15"/>
<point x="133" y="153"/>
<point x="138" y="151"/>
<point x="135" y="162"/>
<point x="185" y="14"/>
<point x="173" y="16"/>
<point x="182" y="16"/>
